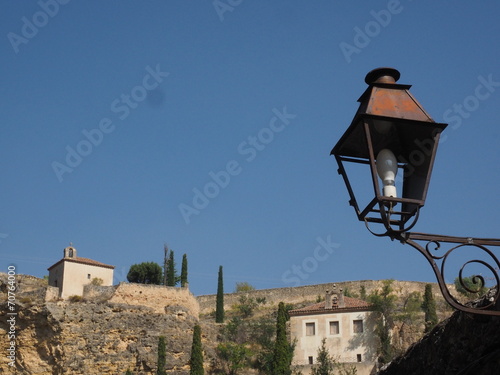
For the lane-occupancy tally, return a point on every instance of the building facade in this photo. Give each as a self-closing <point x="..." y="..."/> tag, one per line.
<point x="348" y="326"/>
<point x="72" y="273"/>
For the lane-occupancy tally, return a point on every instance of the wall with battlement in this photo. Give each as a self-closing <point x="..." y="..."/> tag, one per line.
<point x="309" y="293"/>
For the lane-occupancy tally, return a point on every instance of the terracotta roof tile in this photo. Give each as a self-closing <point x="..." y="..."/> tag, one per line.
<point x="81" y="260"/>
<point x="319" y="308"/>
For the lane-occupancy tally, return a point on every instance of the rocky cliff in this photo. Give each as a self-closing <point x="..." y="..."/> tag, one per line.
<point x="113" y="329"/>
<point x="463" y="344"/>
<point x="97" y="336"/>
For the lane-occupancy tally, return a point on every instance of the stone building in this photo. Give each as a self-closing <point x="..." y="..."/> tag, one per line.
<point x="347" y="324"/>
<point x="72" y="273"/>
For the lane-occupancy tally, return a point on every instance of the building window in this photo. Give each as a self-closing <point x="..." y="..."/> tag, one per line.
<point x="359" y="357"/>
<point x="357" y="326"/>
<point x="310" y="358"/>
<point x="334" y="328"/>
<point x="88" y="276"/>
<point x="310" y="329"/>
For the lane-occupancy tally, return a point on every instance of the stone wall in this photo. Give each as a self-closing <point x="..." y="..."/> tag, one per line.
<point x="361" y="368"/>
<point x="309" y="293"/>
<point x="98" y="293"/>
<point x="157" y="297"/>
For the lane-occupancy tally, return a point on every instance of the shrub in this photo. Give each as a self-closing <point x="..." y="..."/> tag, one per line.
<point x="75" y="298"/>
<point x="97" y="281"/>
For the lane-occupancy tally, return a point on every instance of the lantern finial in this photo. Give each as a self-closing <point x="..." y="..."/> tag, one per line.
<point x="382" y="75"/>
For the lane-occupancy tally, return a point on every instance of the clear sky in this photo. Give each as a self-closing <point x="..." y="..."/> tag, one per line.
<point x="116" y="116"/>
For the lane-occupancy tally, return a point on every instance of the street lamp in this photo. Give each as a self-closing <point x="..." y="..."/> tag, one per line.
<point x="393" y="135"/>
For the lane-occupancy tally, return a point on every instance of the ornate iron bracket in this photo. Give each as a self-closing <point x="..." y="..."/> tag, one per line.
<point x="489" y="304"/>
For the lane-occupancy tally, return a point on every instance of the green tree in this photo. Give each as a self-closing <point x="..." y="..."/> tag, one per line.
<point x="128" y="372"/>
<point x="283" y="351"/>
<point x="362" y="293"/>
<point x="246" y="306"/>
<point x="262" y="332"/>
<point x="162" y="355"/>
<point x="235" y="330"/>
<point x="429" y="307"/>
<point x="219" y="307"/>
<point x="384" y="302"/>
<point x="472" y="287"/>
<point x="184" y="271"/>
<point x="166" y="252"/>
<point x="325" y="364"/>
<point x="243" y="287"/>
<point x="235" y="356"/>
<point x="411" y="309"/>
<point x="348" y="293"/>
<point x="145" y="273"/>
<point x="172" y="277"/>
<point x="196" y="361"/>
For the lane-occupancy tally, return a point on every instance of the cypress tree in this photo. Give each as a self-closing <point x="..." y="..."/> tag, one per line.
<point x="171" y="277"/>
<point x="162" y="354"/>
<point x="283" y="351"/>
<point x="184" y="271"/>
<point x="165" y="263"/>
<point x="362" y="293"/>
<point x="429" y="307"/>
<point x="196" y="361"/>
<point x="219" y="308"/>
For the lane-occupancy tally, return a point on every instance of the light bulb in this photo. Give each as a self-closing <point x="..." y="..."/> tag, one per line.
<point x="387" y="168"/>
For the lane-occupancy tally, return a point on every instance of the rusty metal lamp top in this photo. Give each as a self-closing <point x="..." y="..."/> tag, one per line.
<point x="382" y="75"/>
<point x="389" y="118"/>
<point x="391" y="132"/>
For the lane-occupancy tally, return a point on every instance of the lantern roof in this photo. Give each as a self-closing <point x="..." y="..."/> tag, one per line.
<point x="383" y="103"/>
<point x="385" y="97"/>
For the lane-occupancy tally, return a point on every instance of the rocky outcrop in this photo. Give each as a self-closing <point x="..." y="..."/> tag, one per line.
<point x="105" y="337"/>
<point x="464" y="344"/>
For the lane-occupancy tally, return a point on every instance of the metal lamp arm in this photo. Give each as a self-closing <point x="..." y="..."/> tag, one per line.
<point x="490" y="307"/>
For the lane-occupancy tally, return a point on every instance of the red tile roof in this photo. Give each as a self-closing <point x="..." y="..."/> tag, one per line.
<point x="81" y="260"/>
<point x="351" y="304"/>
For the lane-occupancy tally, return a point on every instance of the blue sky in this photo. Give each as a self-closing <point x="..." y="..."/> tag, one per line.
<point x="116" y="114"/>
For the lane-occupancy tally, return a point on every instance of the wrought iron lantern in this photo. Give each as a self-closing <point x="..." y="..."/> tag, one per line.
<point x="391" y="133"/>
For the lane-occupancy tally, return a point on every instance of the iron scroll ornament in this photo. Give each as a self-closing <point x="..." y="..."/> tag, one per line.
<point x="488" y="305"/>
